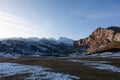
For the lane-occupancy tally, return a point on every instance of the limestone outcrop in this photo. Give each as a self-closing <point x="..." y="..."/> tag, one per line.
<point x="101" y="40"/>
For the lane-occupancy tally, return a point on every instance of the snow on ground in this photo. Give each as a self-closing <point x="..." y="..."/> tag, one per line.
<point x="8" y="55"/>
<point x="103" y="65"/>
<point x="37" y="72"/>
<point x="109" y="54"/>
<point x="103" y="55"/>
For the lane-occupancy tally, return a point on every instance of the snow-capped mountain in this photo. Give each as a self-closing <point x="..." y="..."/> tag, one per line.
<point x="35" y="47"/>
<point x="65" y="40"/>
<point x="33" y="39"/>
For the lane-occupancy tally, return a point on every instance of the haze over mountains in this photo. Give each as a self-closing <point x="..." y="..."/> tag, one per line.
<point x="16" y="47"/>
<point x="101" y="40"/>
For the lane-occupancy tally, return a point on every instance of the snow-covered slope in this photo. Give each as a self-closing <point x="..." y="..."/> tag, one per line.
<point x="65" y="40"/>
<point x="33" y="39"/>
<point x="34" y="47"/>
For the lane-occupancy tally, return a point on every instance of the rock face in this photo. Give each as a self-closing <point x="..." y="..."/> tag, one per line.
<point x="101" y="40"/>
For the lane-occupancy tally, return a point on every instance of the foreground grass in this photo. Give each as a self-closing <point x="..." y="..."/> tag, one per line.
<point x="64" y="66"/>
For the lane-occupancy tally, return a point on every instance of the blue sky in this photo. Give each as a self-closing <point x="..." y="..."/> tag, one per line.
<point x="54" y="18"/>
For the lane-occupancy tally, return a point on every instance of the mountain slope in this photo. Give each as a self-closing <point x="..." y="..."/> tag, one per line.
<point x="101" y="40"/>
<point x="34" y="47"/>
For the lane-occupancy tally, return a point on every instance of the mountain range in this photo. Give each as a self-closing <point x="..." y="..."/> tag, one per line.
<point x="33" y="46"/>
<point x="100" y="40"/>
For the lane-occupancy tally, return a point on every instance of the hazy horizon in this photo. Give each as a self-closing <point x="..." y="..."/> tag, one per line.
<point x="73" y="19"/>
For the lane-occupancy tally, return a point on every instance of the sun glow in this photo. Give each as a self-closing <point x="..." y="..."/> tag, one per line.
<point x="12" y="26"/>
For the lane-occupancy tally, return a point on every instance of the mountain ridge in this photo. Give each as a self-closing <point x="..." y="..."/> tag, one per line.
<point x="34" y="47"/>
<point x="100" y="39"/>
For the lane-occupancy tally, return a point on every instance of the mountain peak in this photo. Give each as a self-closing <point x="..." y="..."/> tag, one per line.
<point x="116" y="29"/>
<point x="65" y="40"/>
<point x="102" y="39"/>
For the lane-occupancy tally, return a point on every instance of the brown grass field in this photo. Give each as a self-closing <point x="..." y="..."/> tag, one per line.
<point x="64" y="66"/>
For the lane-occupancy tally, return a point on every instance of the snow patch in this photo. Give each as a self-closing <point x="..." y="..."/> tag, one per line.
<point x="102" y="55"/>
<point x="103" y="65"/>
<point x="109" y="54"/>
<point x="105" y="54"/>
<point x="65" y="40"/>
<point x="37" y="72"/>
<point x="8" y="55"/>
<point x="87" y="61"/>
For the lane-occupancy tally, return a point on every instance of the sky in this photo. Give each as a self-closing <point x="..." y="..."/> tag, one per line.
<point x="74" y="19"/>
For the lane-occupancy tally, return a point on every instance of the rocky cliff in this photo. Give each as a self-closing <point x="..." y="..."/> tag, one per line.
<point x="101" y="40"/>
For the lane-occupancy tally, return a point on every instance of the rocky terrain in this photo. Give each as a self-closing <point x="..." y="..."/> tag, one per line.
<point x="26" y="47"/>
<point x="51" y="59"/>
<point x="101" y="40"/>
